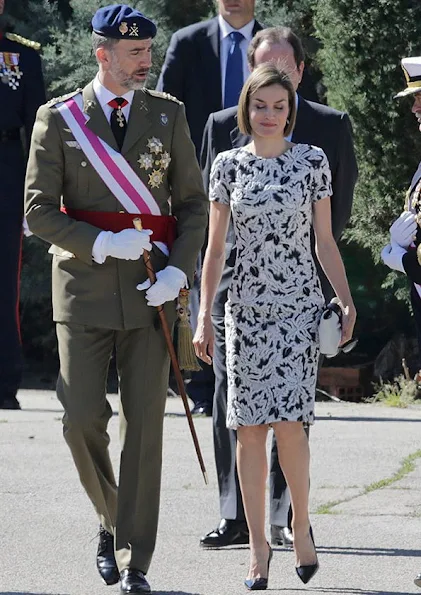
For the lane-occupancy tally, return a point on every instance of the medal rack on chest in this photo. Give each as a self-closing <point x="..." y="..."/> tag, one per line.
<point x="10" y="74"/>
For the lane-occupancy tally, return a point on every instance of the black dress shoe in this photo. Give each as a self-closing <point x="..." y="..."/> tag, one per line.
<point x="307" y="572"/>
<point x="203" y="409"/>
<point x="261" y="583"/>
<point x="281" y="536"/>
<point x="105" y="559"/>
<point x="229" y="532"/>
<point x="9" y="402"/>
<point x="417" y="580"/>
<point x="133" y="581"/>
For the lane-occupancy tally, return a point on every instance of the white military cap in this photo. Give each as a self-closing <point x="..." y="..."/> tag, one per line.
<point x="412" y="70"/>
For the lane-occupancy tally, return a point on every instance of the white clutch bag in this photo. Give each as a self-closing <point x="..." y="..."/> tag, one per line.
<point x="330" y="331"/>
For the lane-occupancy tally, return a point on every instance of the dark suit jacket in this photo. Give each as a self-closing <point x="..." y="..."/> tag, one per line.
<point x="192" y="73"/>
<point x="317" y="125"/>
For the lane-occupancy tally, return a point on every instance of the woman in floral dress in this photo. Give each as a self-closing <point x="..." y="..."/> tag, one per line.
<point x="276" y="192"/>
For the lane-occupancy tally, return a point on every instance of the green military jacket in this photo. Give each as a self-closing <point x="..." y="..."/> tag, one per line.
<point x="58" y="173"/>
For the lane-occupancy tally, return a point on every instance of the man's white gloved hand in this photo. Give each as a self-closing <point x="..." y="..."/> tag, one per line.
<point x="26" y="231"/>
<point x="169" y="281"/>
<point x="392" y="257"/>
<point x="128" y="244"/>
<point x="403" y="230"/>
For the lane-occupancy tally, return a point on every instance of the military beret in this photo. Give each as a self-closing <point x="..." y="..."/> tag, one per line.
<point x="119" y="21"/>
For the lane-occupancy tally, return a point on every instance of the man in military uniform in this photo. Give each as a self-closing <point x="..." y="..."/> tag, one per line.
<point x="21" y="93"/>
<point x="403" y="253"/>
<point x="98" y="158"/>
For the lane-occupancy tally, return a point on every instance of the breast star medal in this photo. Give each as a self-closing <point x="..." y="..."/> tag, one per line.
<point x="158" y="159"/>
<point x="145" y="161"/>
<point x="155" y="145"/>
<point x="156" y="178"/>
<point x="165" y="160"/>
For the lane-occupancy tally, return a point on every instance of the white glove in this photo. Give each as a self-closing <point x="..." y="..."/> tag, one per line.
<point x="169" y="281"/>
<point x="403" y="230"/>
<point x="26" y="231"/>
<point x="392" y="257"/>
<point x="128" y="244"/>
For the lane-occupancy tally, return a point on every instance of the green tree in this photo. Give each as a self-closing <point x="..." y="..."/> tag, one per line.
<point x="363" y="42"/>
<point x="33" y="19"/>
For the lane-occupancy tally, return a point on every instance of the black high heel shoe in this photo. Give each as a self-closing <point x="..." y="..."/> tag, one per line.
<point x="306" y="573"/>
<point x="259" y="584"/>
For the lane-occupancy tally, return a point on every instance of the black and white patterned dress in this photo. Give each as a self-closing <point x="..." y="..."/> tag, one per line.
<point x="275" y="301"/>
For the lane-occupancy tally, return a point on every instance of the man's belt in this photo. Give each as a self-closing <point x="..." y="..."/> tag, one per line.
<point x="11" y="134"/>
<point x="164" y="227"/>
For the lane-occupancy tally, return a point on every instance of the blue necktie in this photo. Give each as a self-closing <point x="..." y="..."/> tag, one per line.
<point x="234" y="78"/>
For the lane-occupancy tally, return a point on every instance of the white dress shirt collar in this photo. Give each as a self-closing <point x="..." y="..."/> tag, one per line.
<point x="104" y="95"/>
<point x="225" y="29"/>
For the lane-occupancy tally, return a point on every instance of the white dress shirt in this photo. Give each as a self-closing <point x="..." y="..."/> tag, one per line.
<point x="225" y="43"/>
<point x="104" y="95"/>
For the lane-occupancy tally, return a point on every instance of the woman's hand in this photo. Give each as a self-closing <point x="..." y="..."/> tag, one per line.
<point x="349" y="316"/>
<point x="203" y="340"/>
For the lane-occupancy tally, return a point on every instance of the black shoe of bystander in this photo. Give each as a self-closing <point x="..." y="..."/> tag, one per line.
<point x="229" y="532"/>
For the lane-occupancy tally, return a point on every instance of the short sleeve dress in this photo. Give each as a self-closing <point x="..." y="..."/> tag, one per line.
<point x="275" y="300"/>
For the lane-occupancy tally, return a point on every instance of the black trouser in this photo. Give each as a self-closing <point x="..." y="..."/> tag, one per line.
<point x="12" y="174"/>
<point x="416" y="307"/>
<point x="10" y="348"/>
<point x="225" y="442"/>
<point x="202" y="384"/>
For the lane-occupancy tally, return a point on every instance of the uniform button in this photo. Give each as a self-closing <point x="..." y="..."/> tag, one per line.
<point x="84" y="164"/>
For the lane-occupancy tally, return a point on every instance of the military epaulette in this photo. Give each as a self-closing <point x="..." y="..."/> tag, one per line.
<point x="56" y="100"/>
<point x="163" y="96"/>
<point x="22" y="40"/>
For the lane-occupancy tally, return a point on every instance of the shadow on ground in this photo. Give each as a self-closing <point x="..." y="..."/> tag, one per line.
<point x="387" y="419"/>
<point x="368" y="551"/>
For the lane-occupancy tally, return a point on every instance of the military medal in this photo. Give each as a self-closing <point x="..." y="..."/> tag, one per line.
<point x="10" y="73"/>
<point x="157" y="158"/>
<point x="155" y="145"/>
<point x="145" y="161"/>
<point x="120" y="117"/>
<point x="156" y="178"/>
<point x="164" y="119"/>
<point x="165" y="160"/>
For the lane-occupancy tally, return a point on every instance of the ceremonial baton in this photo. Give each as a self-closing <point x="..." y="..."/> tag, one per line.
<point x="168" y="339"/>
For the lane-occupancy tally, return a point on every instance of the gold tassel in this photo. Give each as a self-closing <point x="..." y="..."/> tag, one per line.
<point x="187" y="359"/>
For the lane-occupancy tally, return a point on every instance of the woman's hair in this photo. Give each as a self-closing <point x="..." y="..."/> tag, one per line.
<point x="265" y="75"/>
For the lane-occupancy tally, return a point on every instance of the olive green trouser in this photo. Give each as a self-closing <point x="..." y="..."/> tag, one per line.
<point x="131" y="512"/>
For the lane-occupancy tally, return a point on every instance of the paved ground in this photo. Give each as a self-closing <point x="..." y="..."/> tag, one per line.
<point x="369" y="542"/>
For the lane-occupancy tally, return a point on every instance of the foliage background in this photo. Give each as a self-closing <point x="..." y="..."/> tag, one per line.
<point x="353" y="49"/>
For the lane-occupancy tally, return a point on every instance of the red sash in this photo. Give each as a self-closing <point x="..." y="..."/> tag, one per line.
<point x="164" y="227"/>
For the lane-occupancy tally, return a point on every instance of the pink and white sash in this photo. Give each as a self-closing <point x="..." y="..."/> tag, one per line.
<point x="109" y="164"/>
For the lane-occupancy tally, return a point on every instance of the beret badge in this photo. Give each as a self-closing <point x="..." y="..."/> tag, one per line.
<point x="123" y="28"/>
